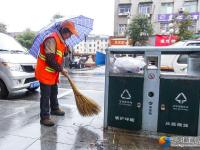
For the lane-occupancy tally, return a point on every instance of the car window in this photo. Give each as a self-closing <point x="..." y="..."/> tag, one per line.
<point x="179" y="43"/>
<point x="8" y="43"/>
<point x="194" y="44"/>
<point x="182" y="59"/>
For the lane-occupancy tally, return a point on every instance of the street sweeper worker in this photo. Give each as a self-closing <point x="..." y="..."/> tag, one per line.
<point x="49" y="65"/>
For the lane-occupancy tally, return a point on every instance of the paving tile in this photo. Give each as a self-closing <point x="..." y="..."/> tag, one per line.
<point x="11" y="142"/>
<point x="33" y="130"/>
<point x="60" y="134"/>
<point x="46" y="145"/>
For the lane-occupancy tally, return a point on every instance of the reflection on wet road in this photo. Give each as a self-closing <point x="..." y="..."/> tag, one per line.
<point x="83" y="82"/>
<point x="20" y="128"/>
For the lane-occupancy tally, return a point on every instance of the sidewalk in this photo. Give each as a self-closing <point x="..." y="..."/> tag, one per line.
<point x="20" y="128"/>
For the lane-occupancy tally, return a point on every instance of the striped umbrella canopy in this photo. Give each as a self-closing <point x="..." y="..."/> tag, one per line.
<point x="83" y="25"/>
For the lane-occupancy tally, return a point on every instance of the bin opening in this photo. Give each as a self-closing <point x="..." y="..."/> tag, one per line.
<point x="152" y="62"/>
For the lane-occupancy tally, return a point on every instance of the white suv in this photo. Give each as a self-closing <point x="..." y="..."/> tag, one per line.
<point x="177" y="63"/>
<point x="16" y="67"/>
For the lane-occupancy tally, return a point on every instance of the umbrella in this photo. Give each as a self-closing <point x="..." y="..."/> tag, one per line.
<point x="83" y="25"/>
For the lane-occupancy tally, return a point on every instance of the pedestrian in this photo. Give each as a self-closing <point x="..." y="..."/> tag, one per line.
<point x="49" y="65"/>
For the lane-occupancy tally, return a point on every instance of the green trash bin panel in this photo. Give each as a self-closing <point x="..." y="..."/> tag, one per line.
<point x="125" y="96"/>
<point x="179" y="106"/>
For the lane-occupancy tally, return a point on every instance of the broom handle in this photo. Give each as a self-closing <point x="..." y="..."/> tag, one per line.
<point x="68" y="77"/>
<point x="70" y="81"/>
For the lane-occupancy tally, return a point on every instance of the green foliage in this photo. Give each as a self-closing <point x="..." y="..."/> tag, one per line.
<point x="183" y="25"/>
<point x="56" y="16"/>
<point x="26" y="38"/>
<point x="3" y="28"/>
<point x="139" y="30"/>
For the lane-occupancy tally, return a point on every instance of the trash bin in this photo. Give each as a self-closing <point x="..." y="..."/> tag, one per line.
<point x="151" y="100"/>
<point x="179" y="105"/>
<point x="125" y="102"/>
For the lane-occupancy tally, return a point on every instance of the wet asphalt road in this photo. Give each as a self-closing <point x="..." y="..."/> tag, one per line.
<point x="84" y="81"/>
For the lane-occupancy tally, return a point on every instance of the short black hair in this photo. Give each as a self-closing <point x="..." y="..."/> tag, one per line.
<point x="65" y="30"/>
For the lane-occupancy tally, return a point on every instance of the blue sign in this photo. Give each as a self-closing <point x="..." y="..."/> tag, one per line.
<point x="34" y="85"/>
<point x="169" y="17"/>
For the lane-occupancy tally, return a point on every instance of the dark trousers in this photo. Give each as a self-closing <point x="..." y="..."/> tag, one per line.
<point x="48" y="99"/>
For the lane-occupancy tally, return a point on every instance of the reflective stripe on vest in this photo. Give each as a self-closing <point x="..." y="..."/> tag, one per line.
<point x="58" y="52"/>
<point x="42" y="57"/>
<point x="49" y="69"/>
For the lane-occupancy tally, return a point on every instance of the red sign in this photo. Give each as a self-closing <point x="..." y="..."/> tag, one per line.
<point x="117" y="41"/>
<point x="165" y="40"/>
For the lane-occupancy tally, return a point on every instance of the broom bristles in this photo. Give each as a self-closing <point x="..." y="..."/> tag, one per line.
<point x="86" y="106"/>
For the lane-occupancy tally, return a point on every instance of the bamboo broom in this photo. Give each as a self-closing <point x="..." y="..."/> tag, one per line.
<point x="86" y="106"/>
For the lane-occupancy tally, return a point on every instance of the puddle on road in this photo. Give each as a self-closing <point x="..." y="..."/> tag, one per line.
<point x="112" y="140"/>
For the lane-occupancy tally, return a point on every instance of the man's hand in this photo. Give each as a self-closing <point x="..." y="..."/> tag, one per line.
<point x="64" y="72"/>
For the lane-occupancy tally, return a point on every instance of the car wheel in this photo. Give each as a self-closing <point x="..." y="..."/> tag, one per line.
<point x="3" y="90"/>
<point x="33" y="89"/>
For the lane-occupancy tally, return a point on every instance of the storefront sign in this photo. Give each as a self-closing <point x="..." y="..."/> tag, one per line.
<point x="165" y="40"/>
<point x="114" y="40"/>
<point x="169" y="17"/>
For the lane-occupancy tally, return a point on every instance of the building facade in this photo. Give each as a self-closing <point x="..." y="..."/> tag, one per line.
<point x="159" y="12"/>
<point x="91" y="44"/>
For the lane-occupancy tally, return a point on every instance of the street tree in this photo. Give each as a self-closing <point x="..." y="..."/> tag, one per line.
<point x="182" y="22"/>
<point x="26" y="38"/>
<point x="56" y="16"/>
<point x="3" y="28"/>
<point x="139" y="30"/>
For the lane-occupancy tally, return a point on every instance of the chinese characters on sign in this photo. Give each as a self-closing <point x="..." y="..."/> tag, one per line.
<point x="177" y="124"/>
<point x="125" y="98"/>
<point x="150" y="108"/>
<point x="122" y="118"/>
<point x="119" y="42"/>
<point x="184" y="141"/>
<point x="165" y="40"/>
<point x="180" y="107"/>
<point x="125" y="102"/>
<point x="169" y="17"/>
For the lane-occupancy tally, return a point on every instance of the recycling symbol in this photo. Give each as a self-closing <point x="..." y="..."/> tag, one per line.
<point x="125" y="94"/>
<point x="181" y="98"/>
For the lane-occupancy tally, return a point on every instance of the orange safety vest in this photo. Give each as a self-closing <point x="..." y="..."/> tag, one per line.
<point x="43" y="72"/>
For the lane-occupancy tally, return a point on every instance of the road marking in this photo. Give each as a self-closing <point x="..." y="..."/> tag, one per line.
<point x="65" y="93"/>
<point x="10" y="115"/>
<point x="91" y="90"/>
<point x="69" y="105"/>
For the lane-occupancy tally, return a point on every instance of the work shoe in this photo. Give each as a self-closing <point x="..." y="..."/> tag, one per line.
<point x="58" y="112"/>
<point x="47" y="122"/>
